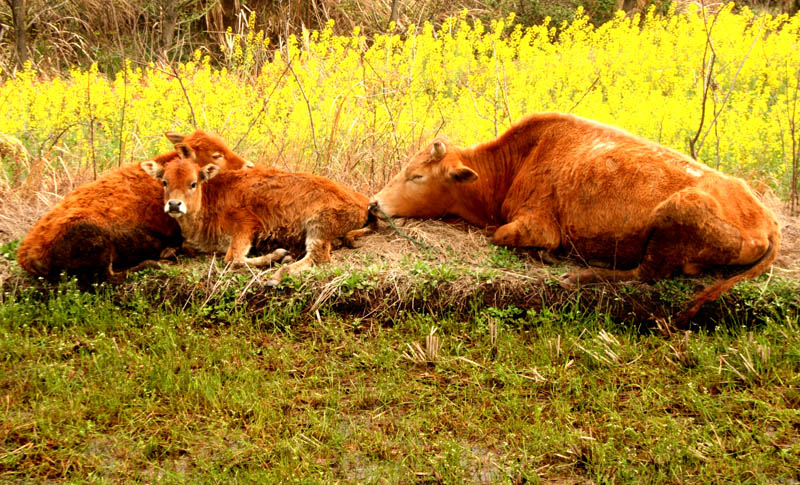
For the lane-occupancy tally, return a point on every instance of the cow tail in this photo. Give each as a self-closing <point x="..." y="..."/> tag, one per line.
<point x="714" y="291"/>
<point x="32" y="258"/>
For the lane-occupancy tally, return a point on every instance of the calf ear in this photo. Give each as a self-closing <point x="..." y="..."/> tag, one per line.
<point x="185" y="151"/>
<point x="174" y="137"/>
<point x="438" y="150"/>
<point x="462" y="175"/>
<point x="208" y="172"/>
<point x="153" y="169"/>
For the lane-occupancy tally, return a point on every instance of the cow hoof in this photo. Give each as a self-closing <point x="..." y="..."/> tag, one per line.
<point x="568" y="280"/>
<point x="169" y="253"/>
<point x="280" y="253"/>
<point x="272" y="283"/>
<point x="287" y="259"/>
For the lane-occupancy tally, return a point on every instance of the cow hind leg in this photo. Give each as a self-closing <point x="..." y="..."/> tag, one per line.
<point x="318" y="251"/>
<point x="686" y="233"/>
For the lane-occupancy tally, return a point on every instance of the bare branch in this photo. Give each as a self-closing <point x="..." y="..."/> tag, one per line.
<point x="264" y="104"/>
<point x="310" y="114"/>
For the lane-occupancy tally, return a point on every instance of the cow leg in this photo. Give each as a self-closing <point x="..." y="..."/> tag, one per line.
<point x="686" y="233"/>
<point x="350" y="238"/>
<point x="529" y="229"/>
<point x="268" y="259"/>
<point x="318" y="251"/>
<point x="240" y="245"/>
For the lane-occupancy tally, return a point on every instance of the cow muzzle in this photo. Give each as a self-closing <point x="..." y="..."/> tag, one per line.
<point x="175" y="208"/>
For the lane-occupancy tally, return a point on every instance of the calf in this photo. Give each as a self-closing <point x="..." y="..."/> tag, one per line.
<point x="230" y="211"/>
<point x="116" y="222"/>
<point x="560" y="182"/>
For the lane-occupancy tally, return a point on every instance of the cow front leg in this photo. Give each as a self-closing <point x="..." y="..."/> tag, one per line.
<point x="240" y="245"/>
<point x="267" y="259"/>
<point x="530" y="230"/>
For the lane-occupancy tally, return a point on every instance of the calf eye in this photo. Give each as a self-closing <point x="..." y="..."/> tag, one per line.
<point x="194" y="184"/>
<point x="216" y="155"/>
<point x="164" y="183"/>
<point x="416" y="178"/>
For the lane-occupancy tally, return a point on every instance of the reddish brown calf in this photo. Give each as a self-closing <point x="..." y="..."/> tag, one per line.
<point x="116" y="222"/>
<point x="226" y="212"/>
<point x="560" y="182"/>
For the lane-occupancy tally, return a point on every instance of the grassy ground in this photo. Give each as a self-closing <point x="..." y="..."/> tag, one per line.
<point x="396" y="367"/>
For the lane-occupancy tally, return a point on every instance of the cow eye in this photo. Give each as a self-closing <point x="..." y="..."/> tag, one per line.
<point x="194" y="184"/>
<point x="164" y="183"/>
<point x="416" y="178"/>
<point x="216" y="155"/>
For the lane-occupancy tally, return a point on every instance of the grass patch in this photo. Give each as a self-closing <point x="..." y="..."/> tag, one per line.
<point x="198" y="373"/>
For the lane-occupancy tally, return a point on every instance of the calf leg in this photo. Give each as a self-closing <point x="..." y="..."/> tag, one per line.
<point x="318" y="251"/>
<point x="240" y="245"/>
<point x="686" y="232"/>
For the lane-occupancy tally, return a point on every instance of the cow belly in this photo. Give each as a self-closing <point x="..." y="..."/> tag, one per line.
<point x="620" y="251"/>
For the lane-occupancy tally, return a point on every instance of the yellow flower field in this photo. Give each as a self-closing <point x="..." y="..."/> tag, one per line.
<point x="351" y="107"/>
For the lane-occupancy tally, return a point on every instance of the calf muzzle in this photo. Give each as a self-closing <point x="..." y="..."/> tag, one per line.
<point x="175" y="208"/>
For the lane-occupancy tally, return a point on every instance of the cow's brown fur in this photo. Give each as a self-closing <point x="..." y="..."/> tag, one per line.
<point x="227" y="212"/>
<point x="116" y="222"/>
<point x="560" y="182"/>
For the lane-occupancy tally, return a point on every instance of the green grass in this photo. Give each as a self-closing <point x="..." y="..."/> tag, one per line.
<point x="98" y="389"/>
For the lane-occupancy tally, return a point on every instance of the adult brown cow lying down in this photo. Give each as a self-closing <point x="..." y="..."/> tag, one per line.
<point x="116" y="222"/>
<point x="561" y="182"/>
<point x="227" y="212"/>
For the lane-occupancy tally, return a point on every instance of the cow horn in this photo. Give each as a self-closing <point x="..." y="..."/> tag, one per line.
<point x="438" y="151"/>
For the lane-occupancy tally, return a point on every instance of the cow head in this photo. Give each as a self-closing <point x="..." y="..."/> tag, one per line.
<point x="426" y="186"/>
<point x="209" y="148"/>
<point x="181" y="180"/>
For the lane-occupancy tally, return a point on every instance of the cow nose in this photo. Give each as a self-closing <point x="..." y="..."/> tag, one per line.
<point x="373" y="206"/>
<point x="174" y="206"/>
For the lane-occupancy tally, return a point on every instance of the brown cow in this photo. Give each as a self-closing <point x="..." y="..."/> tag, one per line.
<point x="227" y="212"/>
<point x="115" y="222"/>
<point x="559" y="182"/>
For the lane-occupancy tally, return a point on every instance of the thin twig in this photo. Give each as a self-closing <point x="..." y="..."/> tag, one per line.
<point x="588" y="90"/>
<point x="185" y="93"/>
<point x="706" y="77"/>
<point x="733" y="83"/>
<point x="263" y="105"/>
<point x="91" y="121"/>
<point x="310" y="114"/>
<point x="122" y="114"/>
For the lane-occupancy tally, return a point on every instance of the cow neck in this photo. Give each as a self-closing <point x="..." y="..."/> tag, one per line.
<point x="212" y="222"/>
<point x="497" y="164"/>
<point x="202" y="226"/>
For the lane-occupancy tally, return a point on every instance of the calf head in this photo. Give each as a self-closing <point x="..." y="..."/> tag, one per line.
<point x="426" y="186"/>
<point x="209" y="148"/>
<point x="181" y="180"/>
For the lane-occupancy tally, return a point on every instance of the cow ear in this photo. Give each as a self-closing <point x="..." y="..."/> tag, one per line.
<point x="208" y="172"/>
<point x="462" y="175"/>
<point x="175" y="138"/>
<point x="185" y="151"/>
<point x="153" y="169"/>
<point x="438" y="151"/>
